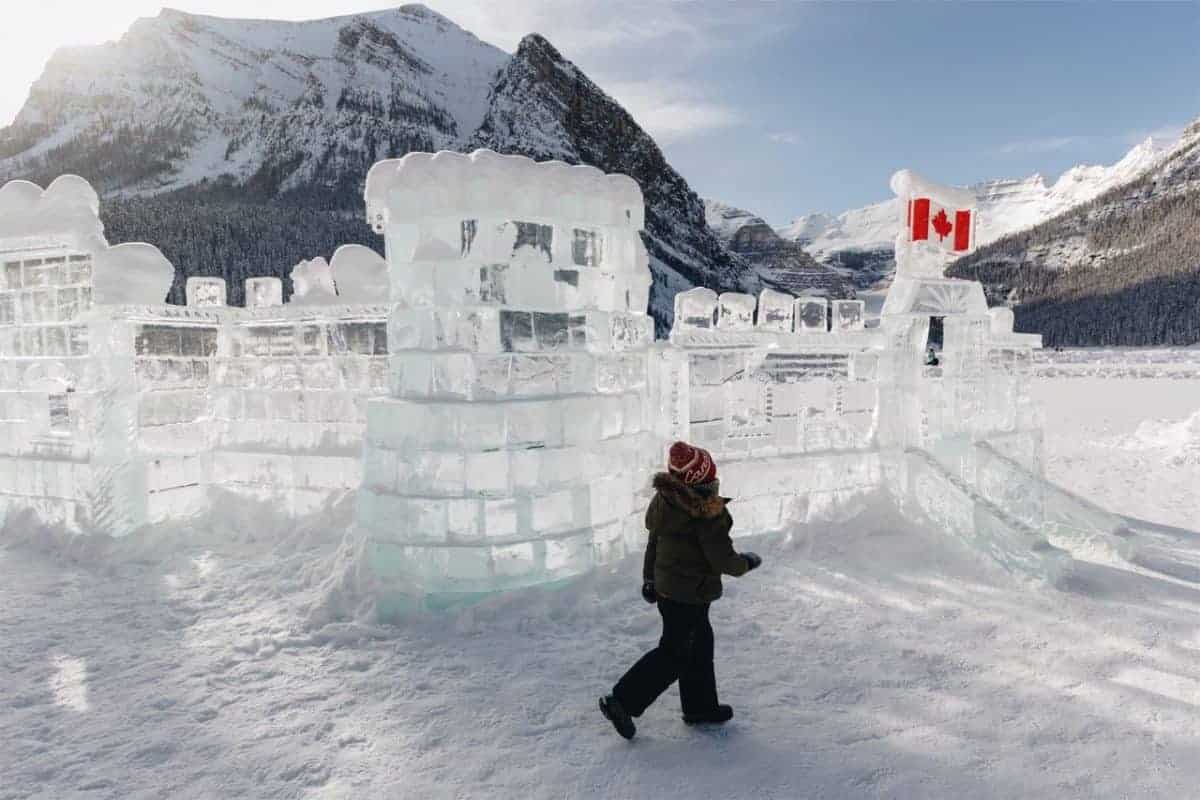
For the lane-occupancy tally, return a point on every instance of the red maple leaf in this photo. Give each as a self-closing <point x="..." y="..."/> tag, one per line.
<point x="942" y="225"/>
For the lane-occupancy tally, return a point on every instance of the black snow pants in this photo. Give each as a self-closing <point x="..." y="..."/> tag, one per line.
<point x="684" y="653"/>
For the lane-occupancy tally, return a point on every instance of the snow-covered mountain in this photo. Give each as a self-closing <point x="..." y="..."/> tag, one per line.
<point x="863" y="238"/>
<point x="274" y="105"/>
<point x="1122" y="268"/>
<point x="781" y="263"/>
<point x="294" y="113"/>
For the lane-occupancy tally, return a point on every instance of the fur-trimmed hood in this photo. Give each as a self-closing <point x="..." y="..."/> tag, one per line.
<point x="679" y="494"/>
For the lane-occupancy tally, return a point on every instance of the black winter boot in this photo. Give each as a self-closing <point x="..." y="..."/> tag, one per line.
<point x="717" y="716"/>
<point x="618" y="716"/>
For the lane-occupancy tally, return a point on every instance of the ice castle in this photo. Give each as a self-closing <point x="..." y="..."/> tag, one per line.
<point x="494" y="392"/>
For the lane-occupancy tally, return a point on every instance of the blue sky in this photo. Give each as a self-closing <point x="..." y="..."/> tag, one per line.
<point x="825" y="103"/>
<point x="787" y="108"/>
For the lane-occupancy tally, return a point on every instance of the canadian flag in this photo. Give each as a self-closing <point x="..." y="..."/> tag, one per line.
<point x="950" y="229"/>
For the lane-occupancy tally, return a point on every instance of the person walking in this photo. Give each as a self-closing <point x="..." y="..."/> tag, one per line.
<point x="688" y="550"/>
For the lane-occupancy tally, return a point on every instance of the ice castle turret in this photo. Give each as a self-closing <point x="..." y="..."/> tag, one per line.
<point x="513" y="447"/>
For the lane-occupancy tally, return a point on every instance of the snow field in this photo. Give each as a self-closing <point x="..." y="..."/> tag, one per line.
<point x="865" y="659"/>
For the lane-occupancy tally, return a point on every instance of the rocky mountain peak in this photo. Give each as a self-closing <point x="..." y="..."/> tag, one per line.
<point x="780" y="263"/>
<point x="544" y="107"/>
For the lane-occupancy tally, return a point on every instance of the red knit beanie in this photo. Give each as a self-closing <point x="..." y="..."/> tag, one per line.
<point x="692" y="465"/>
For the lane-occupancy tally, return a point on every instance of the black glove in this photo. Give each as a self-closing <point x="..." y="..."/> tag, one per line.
<point x="648" y="593"/>
<point x="752" y="560"/>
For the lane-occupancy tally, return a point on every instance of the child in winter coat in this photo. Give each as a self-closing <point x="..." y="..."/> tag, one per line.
<point x="688" y="551"/>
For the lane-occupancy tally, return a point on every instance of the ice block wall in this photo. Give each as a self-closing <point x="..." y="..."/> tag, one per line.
<point x="787" y="406"/>
<point x="290" y="399"/>
<point x="118" y="410"/>
<point x="48" y="402"/>
<point x="159" y="366"/>
<point x="84" y="382"/>
<point x="516" y="440"/>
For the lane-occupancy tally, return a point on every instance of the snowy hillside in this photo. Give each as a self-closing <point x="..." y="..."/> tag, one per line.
<point x="183" y="97"/>
<point x="1120" y="269"/>
<point x="866" y="658"/>
<point x="1005" y="206"/>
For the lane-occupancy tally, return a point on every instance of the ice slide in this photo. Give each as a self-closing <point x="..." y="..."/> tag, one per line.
<point x="995" y="502"/>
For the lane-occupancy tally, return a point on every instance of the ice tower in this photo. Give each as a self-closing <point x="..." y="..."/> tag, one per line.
<point x="979" y="387"/>
<point x="515" y="441"/>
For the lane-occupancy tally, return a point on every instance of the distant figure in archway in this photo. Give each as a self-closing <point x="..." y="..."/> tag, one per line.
<point x="931" y="357"/>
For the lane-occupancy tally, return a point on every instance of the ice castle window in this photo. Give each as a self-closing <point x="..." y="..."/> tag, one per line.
<point x="551" y="331"/>
<point x="60" y="413"/>
<point x="587" y="248"/>
<point x="311" y="340"/>
<point x="54" y="271"/>
<point x="198" y="341"/>
<point x="12" y="275"/>
<point x="491" y="283"/>
<point x="358" y="338"/>
<point x="379" y="339"/>
<point x="538" y="238"/>
<point x="67" y="303"/>
<point x="79" y="268"/>
<point x="157" y="340"/>
<point x="469" y="228"/>
<point x="516" y="331"/>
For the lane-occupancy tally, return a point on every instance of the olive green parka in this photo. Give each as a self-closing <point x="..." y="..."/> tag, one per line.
<point x="689" y="547"/>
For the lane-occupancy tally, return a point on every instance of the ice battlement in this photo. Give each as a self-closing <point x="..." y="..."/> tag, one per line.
<point x="704" y="318"/>
<point x="118" y="410"/>
<point x="422" y="188"/>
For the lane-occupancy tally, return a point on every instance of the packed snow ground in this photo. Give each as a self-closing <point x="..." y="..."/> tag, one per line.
<point x="1132" y="445"/>
<point x="866" y="658"/>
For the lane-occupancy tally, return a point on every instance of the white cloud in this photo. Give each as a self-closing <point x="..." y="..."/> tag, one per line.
<point x="1165" y="133"/>
<point x="784" y="137"/>
<point x="584" y="27"/>
<point x="670" y="111"/>
<point x="1045" y="145"/>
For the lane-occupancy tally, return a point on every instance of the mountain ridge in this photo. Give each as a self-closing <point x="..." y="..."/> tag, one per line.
<point x="1120" y="269"/>
<point x="782" y="264"/>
